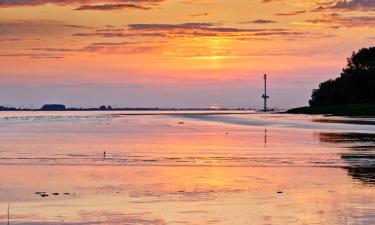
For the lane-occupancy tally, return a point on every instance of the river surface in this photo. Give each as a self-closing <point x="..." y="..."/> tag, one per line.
<point x="186" y="167"/>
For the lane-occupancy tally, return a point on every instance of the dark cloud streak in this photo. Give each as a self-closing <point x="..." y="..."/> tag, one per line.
<point x="295" y="13"/>
<point x="98" y="5"/>
<point x="344" y="5"/>
<point x="259" y="21"/>
<point x="33" y="55"/>
<point x="336" y="21"/>
<point x="109" y="7"/>
<point x="355" y="4"/>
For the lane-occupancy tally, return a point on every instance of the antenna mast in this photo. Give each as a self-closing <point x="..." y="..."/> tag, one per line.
<point x="265" y="96"/>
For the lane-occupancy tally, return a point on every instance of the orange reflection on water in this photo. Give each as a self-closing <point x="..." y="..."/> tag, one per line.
<point x="173" y="169"/>
<point x="224" y="194"/>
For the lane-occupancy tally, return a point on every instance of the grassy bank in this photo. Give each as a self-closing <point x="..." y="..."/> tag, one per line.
<point x="367" y="109"/>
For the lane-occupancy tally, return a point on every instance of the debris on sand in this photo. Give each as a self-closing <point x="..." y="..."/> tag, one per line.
<point x="42" y="194"/>
<point x="55" y="193"/>
<point x="279" y="192"/>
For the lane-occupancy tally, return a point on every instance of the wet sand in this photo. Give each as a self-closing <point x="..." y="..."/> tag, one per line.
<point x="185" y="169"/>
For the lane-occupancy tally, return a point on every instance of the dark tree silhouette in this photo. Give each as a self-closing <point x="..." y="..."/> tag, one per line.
<point x="355" y="85"/>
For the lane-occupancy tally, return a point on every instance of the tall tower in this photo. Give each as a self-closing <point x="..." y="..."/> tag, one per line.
<point x="265" y="96"/>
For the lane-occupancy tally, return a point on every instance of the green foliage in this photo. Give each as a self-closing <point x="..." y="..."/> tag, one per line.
<point x="355" y="85"/>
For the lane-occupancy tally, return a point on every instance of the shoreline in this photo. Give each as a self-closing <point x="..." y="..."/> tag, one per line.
<point x="351" y="110"/>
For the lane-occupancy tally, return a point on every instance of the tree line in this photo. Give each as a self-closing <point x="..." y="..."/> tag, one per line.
<point x="355" y="85"/>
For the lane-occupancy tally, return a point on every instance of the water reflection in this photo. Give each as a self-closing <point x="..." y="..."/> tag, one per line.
<point x="265" y="138"/>
<point x="359" y="121"/>
<point x="357" y="139"/>
<point x="363" y="174"/>
<point x="360" y="159"/>
<point x="155" y="169"/>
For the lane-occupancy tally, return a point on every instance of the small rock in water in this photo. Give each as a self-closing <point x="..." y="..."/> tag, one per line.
<point x="66" y="193"/>
<point x="55" y="193"/>
<point x="279" y="192"/>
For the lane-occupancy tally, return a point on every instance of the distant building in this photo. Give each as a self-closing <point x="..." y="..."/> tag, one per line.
<point x="53" y="107"/>
<point x="103" y="107"/>
<point x="6" y="108"/>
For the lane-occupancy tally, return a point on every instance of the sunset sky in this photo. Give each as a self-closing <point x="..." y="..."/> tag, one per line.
<point x="175" y="53"/>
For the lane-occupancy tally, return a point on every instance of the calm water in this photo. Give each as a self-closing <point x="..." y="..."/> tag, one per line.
<point x="186" y="168"/>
